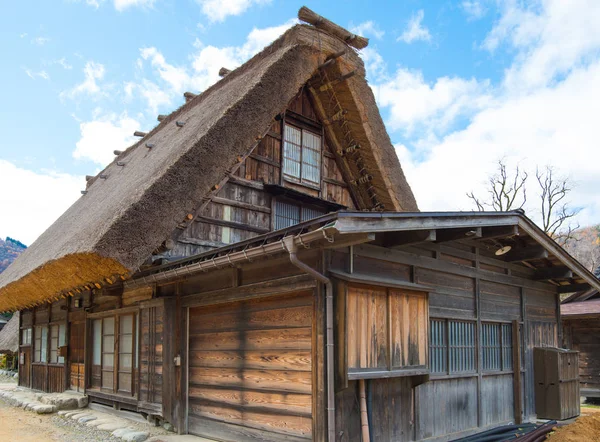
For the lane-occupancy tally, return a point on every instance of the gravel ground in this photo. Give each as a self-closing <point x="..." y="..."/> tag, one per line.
<point x="17" y="424"/>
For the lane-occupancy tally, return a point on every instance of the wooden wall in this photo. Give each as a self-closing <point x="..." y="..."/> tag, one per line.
<point x="251" y="366"/>
<point x="242" y="208"/>
<point x="583" y="335"/>
<point x="469" y="284"/>
<point x="151" y="355"/>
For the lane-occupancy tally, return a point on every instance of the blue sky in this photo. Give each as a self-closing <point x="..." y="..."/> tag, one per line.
<point x="459" y="84"/>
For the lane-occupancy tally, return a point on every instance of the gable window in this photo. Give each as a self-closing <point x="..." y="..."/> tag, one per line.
<point x="288" y="214"/>
<point x="302" y="155"/>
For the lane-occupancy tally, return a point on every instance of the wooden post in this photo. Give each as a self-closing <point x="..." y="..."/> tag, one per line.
<point x="517" y="387"/>
<point x="66" y="357"/>
<point x="364" y="417"/>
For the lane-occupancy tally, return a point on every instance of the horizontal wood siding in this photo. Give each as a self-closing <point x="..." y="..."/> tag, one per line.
<point x="133" y="297"/>
<point x="584" y="336"/>
<point x="250" y="369"/>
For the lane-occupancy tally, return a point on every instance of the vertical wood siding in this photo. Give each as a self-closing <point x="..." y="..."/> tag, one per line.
<point x="151" y="354"/>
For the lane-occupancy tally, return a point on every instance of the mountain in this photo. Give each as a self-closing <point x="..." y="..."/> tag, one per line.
<point x="9" y="250"/>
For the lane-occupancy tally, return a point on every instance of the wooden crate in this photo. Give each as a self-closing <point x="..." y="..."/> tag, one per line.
<point x="556" y="377"/>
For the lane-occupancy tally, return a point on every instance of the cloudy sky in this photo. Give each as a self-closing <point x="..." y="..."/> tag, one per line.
<point x="459" y="84"/>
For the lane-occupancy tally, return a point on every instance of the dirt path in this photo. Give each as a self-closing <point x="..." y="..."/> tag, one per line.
<point x="17" y="424"/>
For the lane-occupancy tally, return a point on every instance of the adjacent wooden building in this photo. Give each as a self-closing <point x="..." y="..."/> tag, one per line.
<point x="256" y="268"/>
<point x="581" y="322"/>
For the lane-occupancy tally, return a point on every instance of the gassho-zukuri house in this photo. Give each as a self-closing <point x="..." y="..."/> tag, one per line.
<point x="256" y="266"/>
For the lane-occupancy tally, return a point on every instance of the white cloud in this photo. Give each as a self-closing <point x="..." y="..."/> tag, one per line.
<point x="63" y="63"/>
<point x="474" y="9"/>
<point x="93" y="72"/>
<point x="40" y="74"/>
<point x="551" y="38"/>
<point x="101" y="136"/>
<point x="544" y="111"/>
<point x="415" y="31"/>
<point x="202" y="71"/>
<point x="40" y="41"/>
<point x="415" y="104"/>
<point x="368" y="29"/>
<point x="219" y="10"/>
<point x="51" y="193"/>
<point x="121" y="5"/>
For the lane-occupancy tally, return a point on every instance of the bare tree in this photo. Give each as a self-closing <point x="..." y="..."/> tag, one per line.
<point x="506" y="191"/>
<point x="556" y="213"/>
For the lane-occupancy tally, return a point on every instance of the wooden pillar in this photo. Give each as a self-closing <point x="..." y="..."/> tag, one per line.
<point x="67" y="340"/>
<point x="479" y="354"/>
<point x="517" y="387"/>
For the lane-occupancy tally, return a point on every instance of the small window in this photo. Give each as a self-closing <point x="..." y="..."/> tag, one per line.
<point x="57" y="340"/>
<point x="40" y="344"/>
<point x="289" y="214"/>
<point x="451" y="346"/>
<point x="438" y="346"/>
<point x="302" y="156"/>
<point x="26" y="336"/>
<point x="461" y="346"/>
<point x="496" y="346"/>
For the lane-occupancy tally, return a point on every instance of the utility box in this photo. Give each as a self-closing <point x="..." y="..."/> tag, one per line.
<point x="556" y="377"/>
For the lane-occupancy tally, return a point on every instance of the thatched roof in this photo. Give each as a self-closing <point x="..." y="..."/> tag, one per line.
<point x="9" y="336"/>
<point x="146" y="192"/>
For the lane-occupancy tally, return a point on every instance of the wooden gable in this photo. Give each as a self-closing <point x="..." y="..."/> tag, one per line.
<point x="244" y="206"/>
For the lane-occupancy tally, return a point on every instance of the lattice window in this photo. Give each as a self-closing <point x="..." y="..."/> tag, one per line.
<point x="302" y="155"/>
<point x="438" y="346"/>
<point x="26" y="336"/>
<point x="289" y="214"/>
<point x="461" y="346"/>
<point x="497" y="346"/>
<point x="451" y="346"/>
<point x="507" y="347"/>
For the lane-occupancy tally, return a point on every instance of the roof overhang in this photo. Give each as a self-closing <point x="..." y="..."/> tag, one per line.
<point x="399" y="229"/>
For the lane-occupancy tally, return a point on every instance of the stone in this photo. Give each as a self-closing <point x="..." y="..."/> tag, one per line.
<point x="63" y="412"/>
<point x="44" y="409"/>
<point x="123" y="431"/>
<point x="99" y="422"/>
<point x="137" y="436"/>
<point x="84" y="419"/>
<point x="110" y="426"/>
<point x="168" y="426"/>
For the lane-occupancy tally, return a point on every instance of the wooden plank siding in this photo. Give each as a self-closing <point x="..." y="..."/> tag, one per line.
<point x="582" y="335"/>
<point x="250" y="369"/>
<point x="242" y="209"/>
<point x="464" y="286"/>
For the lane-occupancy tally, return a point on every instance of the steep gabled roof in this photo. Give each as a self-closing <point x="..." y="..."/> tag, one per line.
<point x="134" y="204"/>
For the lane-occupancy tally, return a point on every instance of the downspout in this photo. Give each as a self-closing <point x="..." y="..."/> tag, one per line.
<point x="292" y="249"/>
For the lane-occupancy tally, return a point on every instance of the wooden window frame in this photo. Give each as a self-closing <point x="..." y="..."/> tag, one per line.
<point x="116" y="315"/>
<point x="504" y="348"/>
<point x="313" y="131"/>
<point x="302" y="210"/>
<point x="35" y="346"/>
<point x="28" y="343"/>
<point x="448" y="349"/>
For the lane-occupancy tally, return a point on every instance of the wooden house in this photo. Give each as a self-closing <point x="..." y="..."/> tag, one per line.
<point x="256" y="268"/>
<point x="581" y="323"/>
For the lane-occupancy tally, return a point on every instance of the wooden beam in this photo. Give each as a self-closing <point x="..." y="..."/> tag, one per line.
<point x="572" y="288"/>
<point x="139" y="133"/>
<point x="526" y="254"/>
<point x="224" y="71"/>
<point x="241" y="204"/>
<point x="188" y="96"/>
<point x="400" y="239"/>
<point x="319" y="22"/>
<point x="232" y="224"/>
<point x="557" y="272"/>
<point x="456" y="234"/>
<point x="499" y="232"/>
